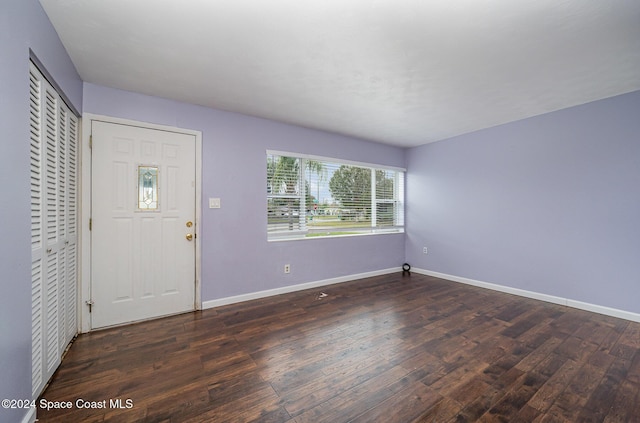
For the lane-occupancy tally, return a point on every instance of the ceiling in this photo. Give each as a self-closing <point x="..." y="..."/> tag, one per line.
<point x="400" y="72"/>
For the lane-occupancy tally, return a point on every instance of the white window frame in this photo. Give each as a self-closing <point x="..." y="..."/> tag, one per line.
<point x="301" y="231"/>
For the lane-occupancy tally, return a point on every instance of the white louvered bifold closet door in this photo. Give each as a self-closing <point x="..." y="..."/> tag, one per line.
<point x="53" y="140"/>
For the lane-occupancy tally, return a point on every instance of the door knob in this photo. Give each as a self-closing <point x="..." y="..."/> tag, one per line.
<point x="189" y="237"/>
<point x="189" y="224"/>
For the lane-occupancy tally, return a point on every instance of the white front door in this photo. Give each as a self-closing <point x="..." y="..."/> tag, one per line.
<point x="143" y="201"/>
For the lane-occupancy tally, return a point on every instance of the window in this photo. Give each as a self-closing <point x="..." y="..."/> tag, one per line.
<point x="317" y="197"/>
<point x="147" y="188"/>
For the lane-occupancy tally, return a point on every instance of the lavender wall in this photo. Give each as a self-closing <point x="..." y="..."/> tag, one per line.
<point x="549" y="204"/>
<point x="23" y="25"/>
<point x="236" y="257"/>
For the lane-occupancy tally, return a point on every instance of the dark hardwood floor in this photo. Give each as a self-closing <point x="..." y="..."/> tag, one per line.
<point x="386" y="349"/>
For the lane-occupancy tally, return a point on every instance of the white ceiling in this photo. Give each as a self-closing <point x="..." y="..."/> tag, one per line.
<point x="401" y="72"/>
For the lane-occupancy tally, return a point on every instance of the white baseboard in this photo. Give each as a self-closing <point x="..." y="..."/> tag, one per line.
<point x="622" y="314"/>
<point x="30" y="417"/>
<point x="294" y="288"/>
<point x="614" y="312"/>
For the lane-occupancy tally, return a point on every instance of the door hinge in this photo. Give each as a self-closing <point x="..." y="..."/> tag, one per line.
<point x="90" y="141"/>
<point x="90" y="223"/>
<point x="90" y="304"/>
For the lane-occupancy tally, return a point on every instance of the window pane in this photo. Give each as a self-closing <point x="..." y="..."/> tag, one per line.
<point x="284" y="195"/>
<point x="384" y="184"/>
<point x="147" y="188"/>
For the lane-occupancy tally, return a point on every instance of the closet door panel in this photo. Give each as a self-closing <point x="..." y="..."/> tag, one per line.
<point x="63" y="135"/>
<point x="37" y="231"/>
<point x="52" y="228"/>
<point x="71" y="316"/>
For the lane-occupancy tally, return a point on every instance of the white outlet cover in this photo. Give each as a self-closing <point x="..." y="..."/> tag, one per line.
<point x="214" y="203"/>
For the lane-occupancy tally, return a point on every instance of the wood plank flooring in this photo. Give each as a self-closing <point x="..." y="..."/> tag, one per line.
<point x="387" y="349"/>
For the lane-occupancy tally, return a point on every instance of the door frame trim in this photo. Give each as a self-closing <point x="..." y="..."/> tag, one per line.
<point x="84" y="209"/>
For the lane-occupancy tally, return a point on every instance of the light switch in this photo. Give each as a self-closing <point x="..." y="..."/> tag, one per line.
<point x="214" y="203"/>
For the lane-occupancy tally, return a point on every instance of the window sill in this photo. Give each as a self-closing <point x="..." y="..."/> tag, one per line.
<point x="281" y="238"/>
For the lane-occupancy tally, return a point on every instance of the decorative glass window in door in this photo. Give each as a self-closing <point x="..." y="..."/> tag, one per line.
<point x="147" y="188"/>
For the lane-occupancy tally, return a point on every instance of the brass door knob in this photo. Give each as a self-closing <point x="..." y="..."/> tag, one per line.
<point x="189" y="237"/>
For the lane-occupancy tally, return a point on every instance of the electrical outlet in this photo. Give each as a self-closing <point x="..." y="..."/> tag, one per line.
<point x="424" y="250"/>
<point x="287" y="268"/>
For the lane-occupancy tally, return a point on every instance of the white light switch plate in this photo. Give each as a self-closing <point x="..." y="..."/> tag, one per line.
<point x="214" y="203"/>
